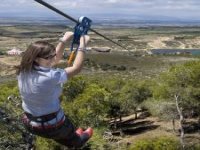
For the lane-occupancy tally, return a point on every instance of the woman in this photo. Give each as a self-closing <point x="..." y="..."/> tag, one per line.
<point x="40" y="86"/>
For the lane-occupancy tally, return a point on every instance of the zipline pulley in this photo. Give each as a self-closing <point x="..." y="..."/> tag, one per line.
<point x="80" y="29"/>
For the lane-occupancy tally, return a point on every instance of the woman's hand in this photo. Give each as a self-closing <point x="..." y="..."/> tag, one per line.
<point x="78" y="62"/>
<point x="84" y="41"/>
<point x="68" y="35"/>
<point x="61" y="45"/>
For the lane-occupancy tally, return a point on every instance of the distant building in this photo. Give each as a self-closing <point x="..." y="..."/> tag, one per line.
<point x="14" y="51"/>
<point x="175" y="51"/>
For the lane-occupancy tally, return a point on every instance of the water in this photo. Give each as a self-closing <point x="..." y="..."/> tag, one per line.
<point x="176" y="51"/>
<point x="96" y="22"/>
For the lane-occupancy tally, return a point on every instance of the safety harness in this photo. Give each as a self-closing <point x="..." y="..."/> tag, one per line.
<point x="28" y="118"/>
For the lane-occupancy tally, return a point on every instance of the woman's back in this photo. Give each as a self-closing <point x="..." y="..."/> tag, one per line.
<point x="40" y="90"/>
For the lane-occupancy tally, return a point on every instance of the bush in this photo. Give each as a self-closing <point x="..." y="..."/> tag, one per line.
<point x="162" y="109"/>
<point x="97" y="142"/>
<point x="196" y="147"/>
<point x="161" y="143"/>
<point x="7" y="89"/>
<point x="2" y="53"/>
<point x="47" y="144"/>
<point x="121" y="68"/>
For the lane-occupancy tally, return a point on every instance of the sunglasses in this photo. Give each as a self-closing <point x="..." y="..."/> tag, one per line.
<point x="50" y="56"/>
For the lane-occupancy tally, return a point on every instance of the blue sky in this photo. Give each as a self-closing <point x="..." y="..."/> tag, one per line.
<point x="131" y="9"/>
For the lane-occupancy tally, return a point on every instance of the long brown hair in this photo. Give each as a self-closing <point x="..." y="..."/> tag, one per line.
<point x="39" y="49"/>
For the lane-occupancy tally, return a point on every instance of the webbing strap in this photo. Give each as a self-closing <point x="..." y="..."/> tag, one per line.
<point x="41" y="119"/>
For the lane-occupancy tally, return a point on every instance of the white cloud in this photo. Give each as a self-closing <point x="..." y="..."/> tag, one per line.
<point x="102" y="7"/>
<point x="112" y="1"/>
<point x="65" y="4"/>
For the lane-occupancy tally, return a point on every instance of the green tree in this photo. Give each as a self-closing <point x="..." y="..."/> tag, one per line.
<point x="182" y="81"/>
<point x="180" y="85"/>
<point x="114" y="87"/>
<point x="133" y="94"/>
<point x="73" y="88"/>
<point x="90" y="107"/>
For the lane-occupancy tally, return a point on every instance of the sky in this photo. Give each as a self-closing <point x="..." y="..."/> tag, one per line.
<point x="117" y="9"/>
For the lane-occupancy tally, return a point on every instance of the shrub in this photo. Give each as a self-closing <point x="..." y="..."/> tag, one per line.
<point x="161" y="143"/>
<point x="197" y="147"/>
<point x="7" y="89"/>
<point x="162" y="109"/>
<point x="47" y="144"/>
<point x="121" y="68"/>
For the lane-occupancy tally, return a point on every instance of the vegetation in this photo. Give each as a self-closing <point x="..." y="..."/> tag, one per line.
<point x="117" y="92"/>
<point x="91" y="102"/>
<point x="164" y="143"/>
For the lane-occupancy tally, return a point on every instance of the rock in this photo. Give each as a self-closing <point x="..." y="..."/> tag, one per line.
<point x="101" y="49"/>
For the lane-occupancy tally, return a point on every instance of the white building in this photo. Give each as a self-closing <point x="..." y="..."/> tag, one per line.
<point x="14" y="51"/>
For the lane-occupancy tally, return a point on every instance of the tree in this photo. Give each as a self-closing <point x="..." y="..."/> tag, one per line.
<point x="73" y="88"/>
<point x="90" y="107"/>
<point x="178" y="86"/>
<point x="114" y="87"/>
<point x="133" y="94"/>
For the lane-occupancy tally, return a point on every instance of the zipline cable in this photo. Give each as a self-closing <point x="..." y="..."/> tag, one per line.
<point x="74" y="20"/>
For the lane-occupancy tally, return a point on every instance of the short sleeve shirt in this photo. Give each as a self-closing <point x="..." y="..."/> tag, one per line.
<point x="40" y="90"/>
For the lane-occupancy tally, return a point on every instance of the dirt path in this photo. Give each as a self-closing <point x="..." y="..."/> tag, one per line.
<point x="7" y="64"/>
<point x="10" y="60"/>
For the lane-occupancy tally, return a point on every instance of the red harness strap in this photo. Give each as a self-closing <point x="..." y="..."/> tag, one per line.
<point x="27" y="121"/>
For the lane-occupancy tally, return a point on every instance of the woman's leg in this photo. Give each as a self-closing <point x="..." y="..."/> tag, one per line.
<point x="74" y="139"/>
<point x="65" y="135"/>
